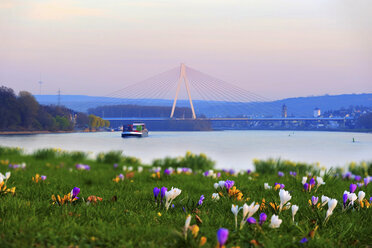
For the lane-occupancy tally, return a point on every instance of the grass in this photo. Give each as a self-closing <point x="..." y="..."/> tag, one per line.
<point x="129" y="217"/>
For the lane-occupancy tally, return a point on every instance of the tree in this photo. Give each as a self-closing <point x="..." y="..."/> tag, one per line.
<point x="9" y="112"/>
<point x="28" y="107"/>
<point x="365" y="121"/>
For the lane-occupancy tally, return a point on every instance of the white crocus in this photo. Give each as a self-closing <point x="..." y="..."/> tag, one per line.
<point x="294" y="211"/>
<point x="140" y="169"/>
<point x="222" y="184"/>
<point x="235" y="210"/>
<point x="1" y="178"/>
<point x="332" y="203"/>
<point x="187" y="224"/>
<point x="275" y="221"/>
<point x="304" y="179"/>
<point x="319" y="181"/>
<point x="284" y="198"/>
<point x="252" y="209"/>
<point x="361" y="196"/>
<point x="324" y="200"/>
<point x="352" y="198"/>
<point x="267" y="186"/>
<point x="215" y="196"/>
<point x="7" y="175"/>
<point x="216" y="185"/>
<point x="171" y="195"/>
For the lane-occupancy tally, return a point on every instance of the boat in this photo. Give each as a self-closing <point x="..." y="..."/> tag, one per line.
<point x="135" y="130"/>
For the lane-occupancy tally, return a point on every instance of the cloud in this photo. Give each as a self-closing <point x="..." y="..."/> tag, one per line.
<point x="56" y="10"/>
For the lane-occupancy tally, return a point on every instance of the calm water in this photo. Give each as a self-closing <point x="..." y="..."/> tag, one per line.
<point x="230" y="149"/>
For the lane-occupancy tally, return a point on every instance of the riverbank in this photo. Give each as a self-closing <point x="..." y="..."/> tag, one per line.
<point x="46" y="132"/>
<point x="116" y="201"/>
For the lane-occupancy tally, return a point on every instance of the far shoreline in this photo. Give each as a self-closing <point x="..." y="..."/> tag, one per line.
<point x="11" y="133"/>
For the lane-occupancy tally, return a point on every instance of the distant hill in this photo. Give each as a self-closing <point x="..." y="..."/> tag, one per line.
<point x="299" y="106"/>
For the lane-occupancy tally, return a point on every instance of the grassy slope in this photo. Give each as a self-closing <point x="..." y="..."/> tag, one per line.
<point x="29" y="219"/>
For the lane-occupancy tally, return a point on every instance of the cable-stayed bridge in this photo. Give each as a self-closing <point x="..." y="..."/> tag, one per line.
<point x="184" y="93"/>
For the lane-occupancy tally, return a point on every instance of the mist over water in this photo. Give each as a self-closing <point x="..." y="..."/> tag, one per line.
<point x="230" y="149"/>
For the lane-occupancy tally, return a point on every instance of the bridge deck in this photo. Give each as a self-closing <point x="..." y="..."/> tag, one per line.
<point x="229" y="119"/>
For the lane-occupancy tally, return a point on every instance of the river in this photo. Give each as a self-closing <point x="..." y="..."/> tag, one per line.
<point x="230" y="149"/>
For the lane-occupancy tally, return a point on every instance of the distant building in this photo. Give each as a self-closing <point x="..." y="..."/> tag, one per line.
<point x="284" y="111"/>
<point x="317" y="112"/>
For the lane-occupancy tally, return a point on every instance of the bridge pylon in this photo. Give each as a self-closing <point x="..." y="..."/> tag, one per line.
<point x="183" y="77"/>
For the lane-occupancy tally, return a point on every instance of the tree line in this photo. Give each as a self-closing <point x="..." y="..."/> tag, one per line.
<point x="23" y="113"/>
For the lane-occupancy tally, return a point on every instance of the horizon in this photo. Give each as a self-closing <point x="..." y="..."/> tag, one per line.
<point x="276" y="49"/>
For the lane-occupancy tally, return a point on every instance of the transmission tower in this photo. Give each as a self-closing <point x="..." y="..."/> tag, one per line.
<point x="183" y="77"/>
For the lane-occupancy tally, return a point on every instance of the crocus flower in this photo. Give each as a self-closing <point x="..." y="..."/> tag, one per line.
<point x="229" y="184"/>
<point x="222" y="184"/>
<point x="284" y="198"/>
<point x="361" y="196"/>
<point x="292" y="173"/>
<point x="162" y="192"/>
<point x="215" y="196"/>
<point x="251" y="220"/>
<point x="280" y="174"/>
<point x="218" y="174"/>
<point x="357" y="178"/>
<point x="171" y="195"/>
<point x="366" y="181"/>
<point x="352" y="188"/>
<point x="200" y="202"/>
<point x="248" y="211"/>
<point x="222" y="235"/>
<point x="249" y="171"/>
<point x="216" y="185"/>
<point x="332" y="203"/>
<point x="187" y="224"/>
<point x="167" y="172"/>
<point x="304" y="240"/>
<point x="304" y="179"/>
<point x="319" y="181"/>
<point x="43" y="177"/>
<point x="235" y="210"/>
<point x="314" y="200"/>
<point x="262" y="218"/>
<point x="312" y="182"/>
<point x="306" y="186"/>
<point x="121" y="176"/>
<point x="267" y="186"/>
<point x="74" y="192"/>
<point x="344" y="198"/>
<point x="294" y="211"/>
<point x="115" y="166"/>
<point x="324" y="200"/>
<point x="370" y="199"/>
<point x="352" y="198"/>
<point x="156" y="192"/>
<point x="275" y="221"/>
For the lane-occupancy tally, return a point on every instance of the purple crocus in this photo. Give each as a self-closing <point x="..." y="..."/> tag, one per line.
<point x="231" y="171"/>
<point x="314" y="200"/>
<point x="293" y="173"/>
<point x="249" y="171"/>
<point x="167" y="172"/>
<point x="366" y="181"/>
<point x="353" y="187"/>
<point x="229" y="184"/>
<point x="357" y="178"/>
<point x="312" y="182"/>
<point x="74" y="192"/>
<point x="200" y="202"/>
<point x="251" y="220"/>
<point x="115" y="166"/>
<point x="206" y="173"/>
<point x="304" y="240"/>
<point x="218" y="174"/>
<point x="263" y="218"/>
<point x="280" y="174"/>
<point x="43" y="177"/>
<point x="347" y="175"/>
<point x="370" y="200"/>
<point x="121" y="176"/>
<point x="222" y="235"/>
<point x="162" y="192"/>
<point x="344" y="197"/>
<point x="156" y="192"/>
<point x="306" y="186"/>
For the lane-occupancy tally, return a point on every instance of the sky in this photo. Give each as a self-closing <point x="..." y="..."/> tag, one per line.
<point x="274" y="48"/>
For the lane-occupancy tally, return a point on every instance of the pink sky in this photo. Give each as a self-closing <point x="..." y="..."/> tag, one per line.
<point x="275" y="48"/>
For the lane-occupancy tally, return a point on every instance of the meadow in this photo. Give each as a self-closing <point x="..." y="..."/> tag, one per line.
<point x="72" y="199"/>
